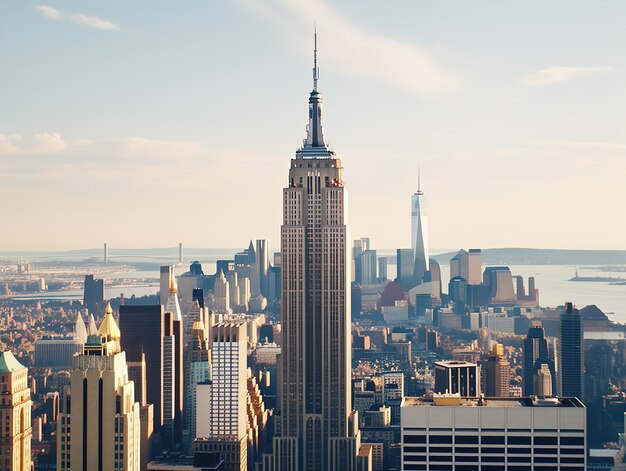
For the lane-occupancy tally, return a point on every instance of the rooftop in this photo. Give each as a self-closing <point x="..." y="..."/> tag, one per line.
<point x="454" y="363"/>
<point x="509" y="402"/>
<point x="9" y="363"/>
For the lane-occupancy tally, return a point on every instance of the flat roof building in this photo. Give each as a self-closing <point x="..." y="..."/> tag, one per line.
<point x="447" y="432"/>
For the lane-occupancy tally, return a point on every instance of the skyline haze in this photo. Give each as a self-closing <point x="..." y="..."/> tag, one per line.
<point x="117" y="114"/>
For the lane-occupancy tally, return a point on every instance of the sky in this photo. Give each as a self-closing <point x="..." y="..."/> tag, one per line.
<point x="148" y="123"/>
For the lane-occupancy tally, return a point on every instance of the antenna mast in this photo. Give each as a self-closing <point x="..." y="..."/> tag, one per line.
<point x="316" y="72"/>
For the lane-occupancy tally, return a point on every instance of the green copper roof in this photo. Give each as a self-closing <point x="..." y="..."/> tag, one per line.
<point x="8" y="362"/>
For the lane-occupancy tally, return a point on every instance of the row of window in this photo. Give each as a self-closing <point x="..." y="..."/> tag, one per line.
<point x="495" y="450"/>
<point x="446" y="467"/>
<point x="495" y="439"/>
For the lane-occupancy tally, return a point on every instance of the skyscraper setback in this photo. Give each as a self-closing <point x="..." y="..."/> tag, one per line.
<point x="316" y="429"/>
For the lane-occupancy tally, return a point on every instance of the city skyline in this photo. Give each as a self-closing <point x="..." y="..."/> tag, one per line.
<point x="111" y="102"/>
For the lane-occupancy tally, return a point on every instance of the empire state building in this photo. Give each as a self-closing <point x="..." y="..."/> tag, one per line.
<point x="316" y="427"/>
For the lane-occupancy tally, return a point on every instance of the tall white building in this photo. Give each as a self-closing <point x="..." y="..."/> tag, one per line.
<point x="221" y="294"/>
<point x="244" y="292"/>
<point x="419" y="233"/>
<point x="233" y="288"/>
<point x="99" y="428"/>
<point x="165" y="281"/>
<point x="503" y="434"/>
<point x="221" y="413"/>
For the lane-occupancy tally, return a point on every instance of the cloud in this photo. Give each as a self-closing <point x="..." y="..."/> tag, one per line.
<point x="92" y="21"/>
<point x="77" y="18"/>
<point x="42" y="143"/>
<point x="49" y="12"/>
<point x="356" y="52"/>
<point x="558" y="74"/>
<point x="138" y="148"/>
<point x="142" y="144"/>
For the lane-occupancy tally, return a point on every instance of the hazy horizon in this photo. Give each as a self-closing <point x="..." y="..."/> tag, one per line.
<point x="143" y="126"/>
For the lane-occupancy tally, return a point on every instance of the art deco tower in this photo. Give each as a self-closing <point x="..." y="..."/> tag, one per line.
<point x="15" y="411"/>
<point x="419" y="234"/>
<point x="316" y="428"/>
<point x="99" y="428"/>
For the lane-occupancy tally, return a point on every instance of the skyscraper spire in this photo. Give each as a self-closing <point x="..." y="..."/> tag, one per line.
<point x="316" y="70"/>
<point x="419" y="232"/>
<point x="419" y="182"/>
<point x="314" y="145"/>
<point x="80" y="330"/>
<point x="173" y="305"/>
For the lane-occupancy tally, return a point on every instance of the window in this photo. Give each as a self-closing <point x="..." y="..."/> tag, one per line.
<point x="519" y="440"/>
<point x="545" y="440"/>
<point x="469" y="439"/>
<point x="414" y="439"/>
<point x="493" y="440"/>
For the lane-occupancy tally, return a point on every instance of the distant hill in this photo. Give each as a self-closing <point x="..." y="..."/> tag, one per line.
<point x="520" y="256"/>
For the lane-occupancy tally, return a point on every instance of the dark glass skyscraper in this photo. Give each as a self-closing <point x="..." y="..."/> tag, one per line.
<point x="535" y="355"/>
<point x="571" y="353"/>
<point x="93" y="294"/>
<point x="158" y="334"/>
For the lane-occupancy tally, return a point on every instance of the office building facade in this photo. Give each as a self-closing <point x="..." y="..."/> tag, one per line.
<point x="504" y="434"/>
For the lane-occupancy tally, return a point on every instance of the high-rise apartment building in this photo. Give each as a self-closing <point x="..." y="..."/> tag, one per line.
<point x="571" y="353"/>
<point x="100" y="426"/>
<point x="316" y="428"/>
<point x="222" y="420"/>
<point x="15" y="415"/>
<point x="497" y="373"/>
<point x="419" y="234"/>
<point x="535" y="355"/>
